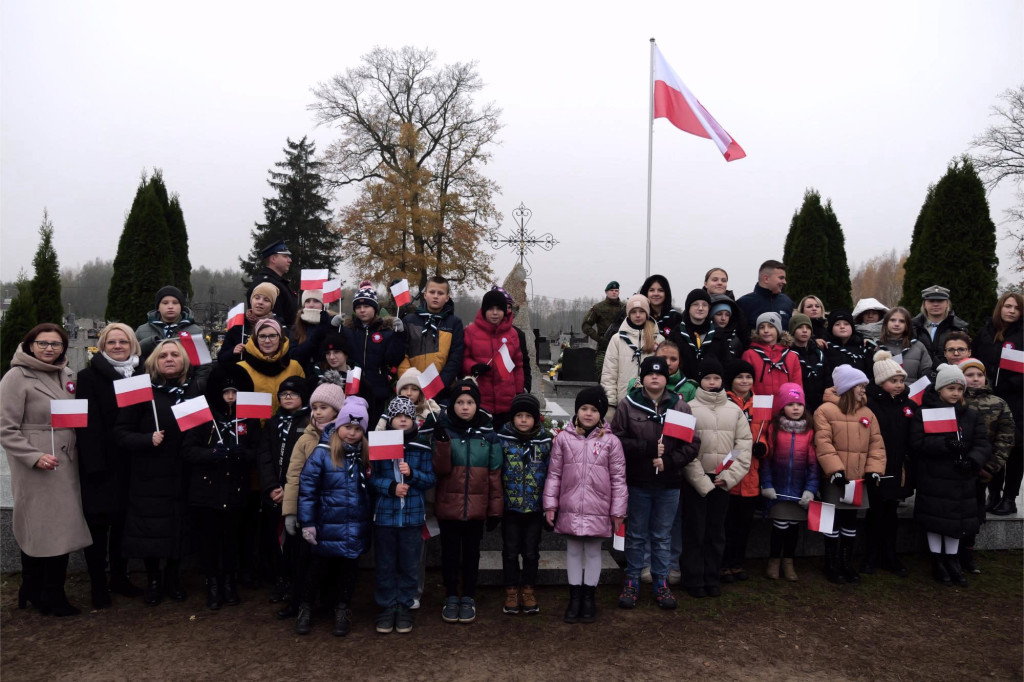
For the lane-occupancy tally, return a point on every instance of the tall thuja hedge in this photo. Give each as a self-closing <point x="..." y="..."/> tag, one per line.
<point x="837" y="293"/>
<point x="46" y="282"/>
<point x="954" y="245"/>
<point x="806" y="250"/>
<point x="180" y="265"/>
<point x="18" y="320"/>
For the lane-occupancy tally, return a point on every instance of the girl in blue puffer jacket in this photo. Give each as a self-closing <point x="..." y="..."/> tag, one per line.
<point x="334" y="513"/>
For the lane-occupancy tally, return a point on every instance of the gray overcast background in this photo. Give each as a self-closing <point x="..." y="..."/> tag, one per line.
<point x="867" y="102"/>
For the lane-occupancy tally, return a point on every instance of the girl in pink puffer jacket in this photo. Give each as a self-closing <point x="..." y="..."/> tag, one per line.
<point x="585" y="496"/>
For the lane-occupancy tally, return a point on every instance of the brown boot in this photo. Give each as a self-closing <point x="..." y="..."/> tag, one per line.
<point x="529" y="600"/>
<point x="511" y="606"/>
<point x="771" y="571"/>
<point x="788" y="571"/>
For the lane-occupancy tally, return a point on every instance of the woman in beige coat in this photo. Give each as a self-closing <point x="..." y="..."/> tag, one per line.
<point x="48" y="520"/>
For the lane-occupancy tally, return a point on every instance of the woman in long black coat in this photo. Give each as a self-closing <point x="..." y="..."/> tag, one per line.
<point x="155" y="522"/>
<point x="103" y="466"/>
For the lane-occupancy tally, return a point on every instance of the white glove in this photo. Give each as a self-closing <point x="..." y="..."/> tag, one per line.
<point x="769" y="493"/>
<point x="309" y="534"/>
<point x="806" y="499"/>
<point x="338" y="320"/>
<point x="398" y="326"/>
<point x="291" y="524"/>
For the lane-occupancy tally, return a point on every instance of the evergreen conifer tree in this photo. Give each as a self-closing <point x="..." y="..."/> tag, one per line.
<point x="297" y="213"/>
<point x="806" y="250"/>
<point x="18" y="320"/>
<point x="954" y="245"/>
<point x="181" y="265"/>
<point x="838" y="291"/>
<point x="46" y="282"/>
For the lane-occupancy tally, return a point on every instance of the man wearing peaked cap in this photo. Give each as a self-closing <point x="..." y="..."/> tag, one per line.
<point x="602" y="316"/>
<point x="935" y="321"/>
<point x="277" y="260"/>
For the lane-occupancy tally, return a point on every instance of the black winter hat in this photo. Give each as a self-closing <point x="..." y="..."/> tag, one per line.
<point x="296" y="385"/>
<point x="400" y="405"/>
<point x="169" y="291"/>
<point x="595" y="397"/>
<point x="494" y="299"/>
<point x="468" y="387"/>
<point x="710" y="366"/>
<point x="697" y="295"/>
<point x="335" y="341"/>
<point x="654" y="365"/>
<point x="524" y="402"/>
<point x="840" y="316"/>
<point x="366" y="295"/>
<point x="734" y="369"/>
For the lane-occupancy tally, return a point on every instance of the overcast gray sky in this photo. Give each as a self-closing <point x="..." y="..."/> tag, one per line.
<point x="867" y="102"/>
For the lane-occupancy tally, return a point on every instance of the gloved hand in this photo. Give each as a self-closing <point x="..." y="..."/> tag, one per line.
<point x="806" y="498"/>
<point x="873" y="478"/>
<point x="769" y="493"/>
<point x="759" y="450"/>
<point x="309" y="534"/>
<point x="441" y="434"/>
<point x="291" y="524"/>
<point x="398" y="325"/>
<point x="839" y="479"/>
<point x="479" y="368"/>
<point x="493" y="522"/>
<point x="338" y="320"/>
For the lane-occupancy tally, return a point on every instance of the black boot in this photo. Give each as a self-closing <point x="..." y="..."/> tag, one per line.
<point x="1005" y="507"/>
<point x="572" y="612"/>
<point x="892" y="561"/>
<point x="154" y="589"/>
<point x="956" y="574"/>
<point x="120" y="583"/>
<point x="279" y="591"/>
<point x="833" y="569"/>
<point x="994" y="498"/>
<point x="939" y="571"/>
<point x="967" y="561"/>
<point x="847" y="566"/>
<point x="99" y="591"/>
<point x="212" y="593"/>
<point x="31" y="589"/>
<point x="302" y="621"/>
<point x="588" y="606"/>
<point x="231" y="590"/>
<point x="342" y="620"/>
<point x="55" y="574"/>
<point x="172" y="582"/>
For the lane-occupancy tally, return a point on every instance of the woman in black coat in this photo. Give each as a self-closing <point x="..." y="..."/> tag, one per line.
<point x="103" y="466"/>
<point x="155" y="522"/>
<point x="946" y="466"/>
<point x="1005" y="329"/>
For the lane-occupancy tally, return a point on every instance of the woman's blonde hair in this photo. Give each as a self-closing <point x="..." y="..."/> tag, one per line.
<point x="848" y="402"/>
<point x="800" y="305"/>
<point x="338" y="449"/>
<point x="133" y="340"/>
<point x="151" y="368"/>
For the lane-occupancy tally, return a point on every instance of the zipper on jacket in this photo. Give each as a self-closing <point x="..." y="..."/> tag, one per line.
<point x="792" y="451"/>
<point x="465" y="493"/>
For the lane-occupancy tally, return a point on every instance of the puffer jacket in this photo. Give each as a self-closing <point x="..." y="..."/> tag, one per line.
<point x="813" y="374"/>
<point x="791" y="466"/>
<point x="735" y="336"/>
<point x="303" y="449"/>
<point x="722" y="428"/>
<point x="389" y="509"/>
<point x="622" y="362"/>
<point x="946" y="500"/>
<point x="638" y="424"/>
<point x="483" y="340"/>
<point x="280" y="435"/>
<point x="336" y="501"/>
<point x="935" y="348"/>
<point x="154" y="330"/>
<point x="999" y="424"/>
<point x="851" y="443"/>
<point x="376" y="348"/>
<point x="773" y="366"/>
<point x="268" y="371"/>
<point x="524" y="468"/>
<point x="468" y="470"/>
<point x="1006" y="384"/>
<point x="434" y="340"/>
<point x="750" y="485"/>
<point x="586" y="482"/>
<point x="894" y="415"/>
<point x="916" y="361"/>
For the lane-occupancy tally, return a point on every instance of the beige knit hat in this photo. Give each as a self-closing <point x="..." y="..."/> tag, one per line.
<point x="949" y="374"/>
<point x="410" y="377"/>
<point x="638" y="301"/>
<point x="886" y="368"/>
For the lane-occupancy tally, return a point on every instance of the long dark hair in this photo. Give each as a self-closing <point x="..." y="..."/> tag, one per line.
<point x="26" y="343"/>
<point x="997" y="316"/>
<point x="663" y="281"/>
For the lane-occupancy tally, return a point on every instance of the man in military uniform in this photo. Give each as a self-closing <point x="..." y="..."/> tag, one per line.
<point x="602" y="316"/>
<point x="935" y="321"/>
<point x="277" y="259"/>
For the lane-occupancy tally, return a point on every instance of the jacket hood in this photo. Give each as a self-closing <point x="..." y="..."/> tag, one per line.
<point x="663" y="281"/>
<point x="23" y="359"/>
<point x="254" y="351"/>
<point x="876" y="392"/>
<point x="866" y="304"/>
<point x="709" y="398"/>
<point x="503" y="327"/>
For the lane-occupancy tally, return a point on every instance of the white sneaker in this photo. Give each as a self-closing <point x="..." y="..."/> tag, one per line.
<point x="416" y="602"/>
<point x="674" y="577"/>
<point x="645" y="575"/>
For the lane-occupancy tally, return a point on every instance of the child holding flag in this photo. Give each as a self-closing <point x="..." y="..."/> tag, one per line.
<point x="950" y="447"/>
<point x="261" y="307"/>
<point x="773" y="362"/>
<point x="377" y="344"/>
<point x="849" y="446"/>
<point x="334" y="513"/>
<point x="789" y="478"/>
<point x="491" y="346"/>
<point x="434" y="335"/>
<point x="398" y="519"/>
<point x="408" y="386"/>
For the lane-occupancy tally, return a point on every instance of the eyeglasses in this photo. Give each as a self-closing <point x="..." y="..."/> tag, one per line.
<point x="287" y="395"/>
<point x="56" y="345"/>
<point x="958" y="351"/>
<point x="268" y="337"/>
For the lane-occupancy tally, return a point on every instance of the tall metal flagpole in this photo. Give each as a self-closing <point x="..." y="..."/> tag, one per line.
<point x="650" y="162"/>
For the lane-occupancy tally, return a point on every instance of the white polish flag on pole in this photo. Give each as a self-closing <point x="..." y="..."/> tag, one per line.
<point x="251" y="405"/>
<point x="762" y="408"/>
<point x="352" y="380"/>
<point x="332" y="291"/>
<point x="195" y="348"/>
<point x="504" y="363"/>
<point x="387" y="445"/>
<point x="69" y="414"/>
<point x="821" y="517"/>
<point x="679" y="425"/>
<point x="430" y="382"/>
<point x="313" y="279"/>
<point x="853" y="493"/>
<point x="133" y="390"/>
<point x="400" y="290"/>
<point x="192" y="413"/>
<point x="939" y="420"/>
<point x="236" y="316"/>
<point x="917" y="389"/>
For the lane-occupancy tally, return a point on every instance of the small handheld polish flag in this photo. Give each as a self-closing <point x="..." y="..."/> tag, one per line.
<point x="332" y="291"/>
<point x="195" y="348"/>
<point x="386" y="445"/>
<point x="619" y="539"/>
<point x="430" y="382"/>
<point x="400" y="290"/>
<point x="192" y="413"/>
<point x="352" y="379"/>
<point x="69" y="414"/>
<point x="726" y="463"/>
<point x="1011" y="360"/>
<point x="504" y="363"/>
<point x="431" y="528"/>
<point x="236" y="316"/>
<point x="250" y="405"/>
<point x="679" y="425"/>
<point x="133" y="390"/>
<point x="917" y="389"/>
<point x="821" y="517"/>
<point x="313" y="279"/>
<point x="853" y="493"/>
<point x="939" y="420"/>
<point x="762" y="408"/>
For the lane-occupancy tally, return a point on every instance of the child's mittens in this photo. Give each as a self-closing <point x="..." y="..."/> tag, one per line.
<point x="338" y="321"/>
<point x="479" y="368"/>
<point x="874" y="478"/>
<point x="769" y="493"/>
<point x="839" y="479"/>
<point x="759" y="450"/>
<point x="398" y="326"/>
<point x="309" y="534"/>
<point x="291" y="524"/>
<point x="806" y="499"/>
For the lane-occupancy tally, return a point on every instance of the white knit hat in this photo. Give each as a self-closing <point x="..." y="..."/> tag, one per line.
<point x="410" y="377"/>
<point x="949" y="374"/>
<point x="845" y="377"/>
<point x="886" y="368"/>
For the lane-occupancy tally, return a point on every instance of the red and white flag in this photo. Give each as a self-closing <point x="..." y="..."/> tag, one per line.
<point x="313" y="279"/>
<point x="679" y="425"/>
<point x="853" y="493"/>
<point x="917" y="389"/>
<point x="133" y="390"/>
<point x="236" y="316"/>
<point x="387" y="444"/>
<point x="195" y="348"/>
<point x="400" y="290"/>
<point x="939" y="420"/>
<point x="250" y="405"/>
<point x="898" y="359"/>
<point x="431" y="529"/>
<point x="619" y="538"/>
<point x="192" y="413"/>
<point x="332" y="291"/>
<point x="821" y="517"/>
<point x="69" y="414"/>
<point x="726" y="463"/>
<point x="762" y="408"/>
<point x="352" y="379"/>
<point x="504" y="362"/>
<point x="430" y="382"/>
<point x="1011" y="359"/>
<point x="674" y="101"/>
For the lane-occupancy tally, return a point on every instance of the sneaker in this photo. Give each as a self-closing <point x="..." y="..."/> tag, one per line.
<point x="511" y="606"/>
<point x="629" y="595"/>
<point x="530" y="605"/>
<point x="415" y="605"/>
<point x="663" y="596"/>
<point x="674" y="577"/>
<point x="467" y="610"/>
<point x="645" y="575"/>
<point x="385" y="621"/>
<point x="450" y="612"/>
<point x="403" y="619"/>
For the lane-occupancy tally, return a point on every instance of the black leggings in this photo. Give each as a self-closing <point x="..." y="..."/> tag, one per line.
<point x="738" y="520"/>
<point x="520" y="535"/>
<point x="783" y="540"/>
<point x="340" y="575"/>
<point x="106" y="531"/>
<point x="460" y="551"/>
<point x="218" y="539"/>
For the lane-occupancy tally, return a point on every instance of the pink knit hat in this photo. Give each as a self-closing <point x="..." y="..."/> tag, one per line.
<point x="789" y="393"/>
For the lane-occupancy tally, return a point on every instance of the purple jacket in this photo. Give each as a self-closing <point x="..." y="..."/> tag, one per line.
<point x="586" y="482"/>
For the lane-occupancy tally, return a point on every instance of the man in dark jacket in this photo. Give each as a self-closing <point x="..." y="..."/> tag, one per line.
<point x="767" y="296"/>
<point x="277" y="259"/>
<point x="935" y="321"/>
<point x="601" y="317"/>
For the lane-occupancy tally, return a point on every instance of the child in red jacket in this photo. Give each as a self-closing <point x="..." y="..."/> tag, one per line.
<point x="774" y="364"/>
<point x="483" y="357"/>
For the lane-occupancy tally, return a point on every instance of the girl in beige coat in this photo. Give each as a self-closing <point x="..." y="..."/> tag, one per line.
<point x="637" y="339"/>
<point x="48" y="520"/>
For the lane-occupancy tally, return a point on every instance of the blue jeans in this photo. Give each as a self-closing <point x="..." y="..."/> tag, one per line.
<point x="650" y="517"/>
<point x="396" y="578"/>
<point x="677" y="542"/>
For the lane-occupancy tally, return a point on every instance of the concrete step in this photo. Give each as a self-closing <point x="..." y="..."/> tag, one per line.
<point x="552" y="568"/>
